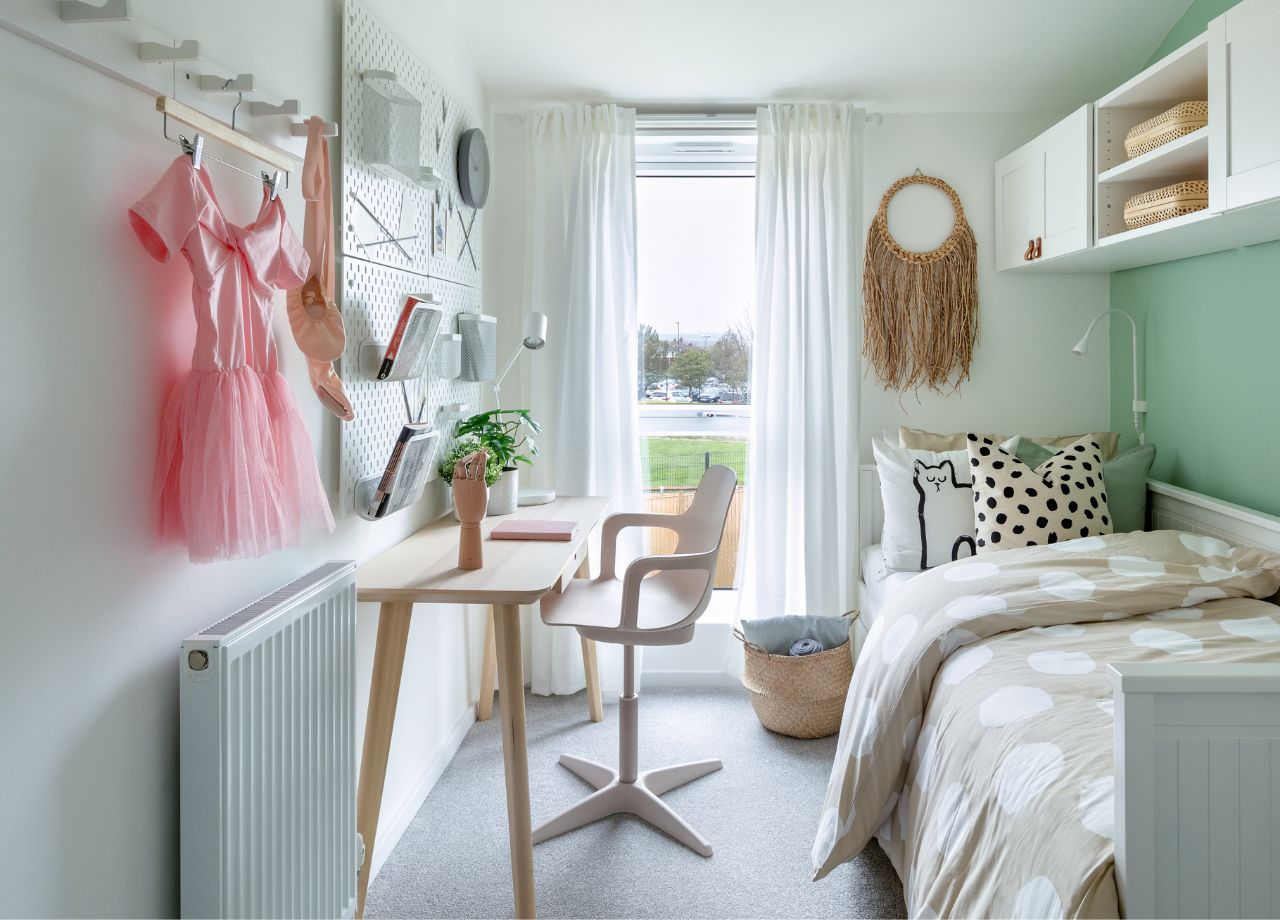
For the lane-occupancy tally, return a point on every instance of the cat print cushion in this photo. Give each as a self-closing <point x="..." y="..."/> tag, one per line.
<point x="1064" y="498"/>
<point x="928" y="506"/>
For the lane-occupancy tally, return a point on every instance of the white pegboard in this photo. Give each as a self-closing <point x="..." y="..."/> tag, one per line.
<point x="366" y="45"/>
<point x="373" y="296"/>
<point x="375" y="280"/>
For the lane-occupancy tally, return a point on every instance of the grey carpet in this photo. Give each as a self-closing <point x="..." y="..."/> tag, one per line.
<point x="759" y="813"/>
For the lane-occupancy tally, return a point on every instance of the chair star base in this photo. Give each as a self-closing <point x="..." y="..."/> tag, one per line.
<point x="639" y="798"/>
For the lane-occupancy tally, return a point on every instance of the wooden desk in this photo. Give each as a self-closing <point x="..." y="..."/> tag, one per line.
<point x="423" y="569"/>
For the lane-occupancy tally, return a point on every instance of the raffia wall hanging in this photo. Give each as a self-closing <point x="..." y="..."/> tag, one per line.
<point x="920" y="309"/>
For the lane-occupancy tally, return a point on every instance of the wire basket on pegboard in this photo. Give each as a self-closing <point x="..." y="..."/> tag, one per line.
<point x="391" y="135"/>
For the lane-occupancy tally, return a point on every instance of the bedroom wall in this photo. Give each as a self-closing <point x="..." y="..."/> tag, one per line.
<point x="1211" y="325"/>
<point x="1024" y="378"/>
<point x="93" y="613"/>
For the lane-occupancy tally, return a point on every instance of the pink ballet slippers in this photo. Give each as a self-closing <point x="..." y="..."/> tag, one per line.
<point x="313" y="317"/>
<point x="315" y="321"/>
<point x="329" y="389"/>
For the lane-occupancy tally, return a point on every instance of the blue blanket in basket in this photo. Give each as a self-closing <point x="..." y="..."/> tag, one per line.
<point x="776" y="635"/>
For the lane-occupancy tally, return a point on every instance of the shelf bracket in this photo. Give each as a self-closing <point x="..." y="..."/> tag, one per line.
<point x="157" y="53"/>
<point x="299" y="129"/>
<point x="263" y="109"/>
<point x="208" y="83"/>
<point x="79" y="11"/>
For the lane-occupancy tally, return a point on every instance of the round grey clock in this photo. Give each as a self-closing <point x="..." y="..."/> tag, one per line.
<point x="473" y="168"/>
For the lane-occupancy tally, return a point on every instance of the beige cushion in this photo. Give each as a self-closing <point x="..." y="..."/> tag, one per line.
<point x="918" y="439"/>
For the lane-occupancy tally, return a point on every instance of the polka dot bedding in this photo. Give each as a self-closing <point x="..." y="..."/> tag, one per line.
<point x="977" y="737"/>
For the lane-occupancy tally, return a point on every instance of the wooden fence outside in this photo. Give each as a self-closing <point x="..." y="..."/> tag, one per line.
<point x="674" y="501"/>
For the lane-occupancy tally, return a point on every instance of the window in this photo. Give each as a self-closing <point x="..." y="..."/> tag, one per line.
<point x="695" y="212"/>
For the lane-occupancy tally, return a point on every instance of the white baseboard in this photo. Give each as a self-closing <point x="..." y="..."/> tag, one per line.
<point x="393" y="826"/>
<point x="688" y="679"/>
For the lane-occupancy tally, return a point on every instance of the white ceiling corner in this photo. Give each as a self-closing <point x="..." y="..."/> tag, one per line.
<point x="915" y="55"/>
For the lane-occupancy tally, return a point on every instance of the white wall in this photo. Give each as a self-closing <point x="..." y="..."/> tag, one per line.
<point x="1024" y="378"/>
<point x="93" y="613"/>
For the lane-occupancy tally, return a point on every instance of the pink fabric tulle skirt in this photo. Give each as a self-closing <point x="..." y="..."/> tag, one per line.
<point x="236" y="478"/>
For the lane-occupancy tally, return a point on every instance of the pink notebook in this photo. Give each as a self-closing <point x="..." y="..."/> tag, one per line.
<point x="560" y="531"/>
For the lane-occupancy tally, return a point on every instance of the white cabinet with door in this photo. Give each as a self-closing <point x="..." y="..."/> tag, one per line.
<point x="1246" y="44"/>
<point x="1044" y="194"/>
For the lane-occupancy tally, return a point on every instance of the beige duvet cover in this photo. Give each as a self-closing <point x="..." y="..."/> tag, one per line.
<point x="977" y="737"/>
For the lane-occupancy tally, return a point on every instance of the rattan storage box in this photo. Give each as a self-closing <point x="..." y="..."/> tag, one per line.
<point x="1167" y="126"/>
<point x="1163" y="203"/>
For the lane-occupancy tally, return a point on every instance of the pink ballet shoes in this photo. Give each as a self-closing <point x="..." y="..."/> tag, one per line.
<point x="316" y="323"/>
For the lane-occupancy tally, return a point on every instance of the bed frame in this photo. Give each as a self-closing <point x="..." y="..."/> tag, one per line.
<point x="1197" y="830"/>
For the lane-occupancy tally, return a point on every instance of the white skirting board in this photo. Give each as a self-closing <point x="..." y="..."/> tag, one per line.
<point x="393" y="826"/>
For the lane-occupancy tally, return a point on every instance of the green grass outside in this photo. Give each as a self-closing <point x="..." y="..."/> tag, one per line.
<point x="678" y="463"/>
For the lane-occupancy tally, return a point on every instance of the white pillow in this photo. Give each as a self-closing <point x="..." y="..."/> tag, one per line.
<point x="928" y="506"/>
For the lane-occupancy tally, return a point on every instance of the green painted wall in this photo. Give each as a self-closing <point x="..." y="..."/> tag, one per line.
<point x="1212" y="328"/>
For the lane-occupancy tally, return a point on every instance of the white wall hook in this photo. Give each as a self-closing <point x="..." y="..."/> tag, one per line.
<point x="79" y="11"/>
<point x="157" y="53"/>
<point x="263" y="109"/>
<point x="299" y="129"/>
<point x="238" y="84"/>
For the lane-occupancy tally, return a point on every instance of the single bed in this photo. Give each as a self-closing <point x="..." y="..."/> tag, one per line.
<point x="981" y="744"/>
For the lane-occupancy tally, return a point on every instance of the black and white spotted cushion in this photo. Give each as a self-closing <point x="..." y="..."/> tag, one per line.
<point x="1062" y="499"/>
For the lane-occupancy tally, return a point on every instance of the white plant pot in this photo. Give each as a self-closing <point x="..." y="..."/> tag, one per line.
<point x="504" y="493"/>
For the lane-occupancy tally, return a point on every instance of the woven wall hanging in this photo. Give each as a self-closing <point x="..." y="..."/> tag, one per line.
<point x="920" y="309"/>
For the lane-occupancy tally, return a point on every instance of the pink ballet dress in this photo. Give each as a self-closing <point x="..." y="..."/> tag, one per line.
<point x="236" y="476"/>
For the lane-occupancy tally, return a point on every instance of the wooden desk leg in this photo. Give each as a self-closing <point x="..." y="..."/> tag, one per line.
<point x="595" y="706"/>
<point x="488" y="671"/>
<point x="384" y="692"/>
<point x="516" y="756"/>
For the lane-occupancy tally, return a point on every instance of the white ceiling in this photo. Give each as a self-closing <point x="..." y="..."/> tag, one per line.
<point x="896" y="55"/>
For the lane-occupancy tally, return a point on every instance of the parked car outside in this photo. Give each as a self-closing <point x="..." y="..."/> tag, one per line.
<point x="709" y="395"/>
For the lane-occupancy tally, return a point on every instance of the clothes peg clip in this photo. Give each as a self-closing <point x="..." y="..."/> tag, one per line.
<point x="242" y="83"/>
<point x="263" y="109"/>
<point x="79" y="11"/>
<point x="157" y="53"/>
<point x="272" y="182"/>
<point x="193" y="148"/>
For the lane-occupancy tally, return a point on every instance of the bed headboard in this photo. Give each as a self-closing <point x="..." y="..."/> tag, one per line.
<point x="1171" y="508"/>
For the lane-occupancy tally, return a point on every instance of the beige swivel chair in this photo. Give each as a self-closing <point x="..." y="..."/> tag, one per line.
<point x="655" y="602"/>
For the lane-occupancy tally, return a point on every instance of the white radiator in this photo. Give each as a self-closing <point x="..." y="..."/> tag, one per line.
<point x="268" y="755"/>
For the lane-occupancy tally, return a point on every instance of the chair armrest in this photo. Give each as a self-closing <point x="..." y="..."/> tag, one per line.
<point x="646" y="565"/>
<point x="616" y="523"/>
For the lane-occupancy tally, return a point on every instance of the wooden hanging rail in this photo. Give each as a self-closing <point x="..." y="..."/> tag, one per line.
<point x="221" y="131"/>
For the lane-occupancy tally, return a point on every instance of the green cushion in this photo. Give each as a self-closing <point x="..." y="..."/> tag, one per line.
<point x="1125" y="476"/>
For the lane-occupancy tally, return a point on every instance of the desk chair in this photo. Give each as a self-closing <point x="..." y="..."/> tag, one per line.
<point x="676" y="591"/>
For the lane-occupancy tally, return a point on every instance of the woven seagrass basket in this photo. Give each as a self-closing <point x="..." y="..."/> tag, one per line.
<point x="797" y="695"/>
<point x="1183" y="118"/>
<point x="1163" y="203"/>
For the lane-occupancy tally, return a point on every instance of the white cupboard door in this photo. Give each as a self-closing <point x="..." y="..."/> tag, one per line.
<point x="1019" y="204"/>
<point x="1068" y="184"/>
<point x="1252" y="34"/>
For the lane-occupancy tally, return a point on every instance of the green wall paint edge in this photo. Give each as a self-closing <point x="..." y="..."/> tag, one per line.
<point x="1212" y="330"/>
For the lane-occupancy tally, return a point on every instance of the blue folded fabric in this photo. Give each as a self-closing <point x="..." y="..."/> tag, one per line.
<point x="807" y="647"/>
<point x="776" y="635"/>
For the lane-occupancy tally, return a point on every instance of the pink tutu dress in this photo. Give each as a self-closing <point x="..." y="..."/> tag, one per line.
<point x="236" y="476"/>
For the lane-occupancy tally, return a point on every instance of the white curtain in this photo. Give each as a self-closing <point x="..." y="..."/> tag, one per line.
<point x="801" y="499"/>
<point x="581" y="271"/>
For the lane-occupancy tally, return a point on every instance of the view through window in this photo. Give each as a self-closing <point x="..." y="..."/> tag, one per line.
<point x="696" y="286"/>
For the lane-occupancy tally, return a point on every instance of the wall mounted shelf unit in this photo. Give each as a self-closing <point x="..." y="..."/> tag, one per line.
<point x="1234" y="66"/>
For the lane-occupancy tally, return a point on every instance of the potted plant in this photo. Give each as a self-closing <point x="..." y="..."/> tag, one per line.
<point x="462" y="446"/>
<point x="507" y="434"/>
